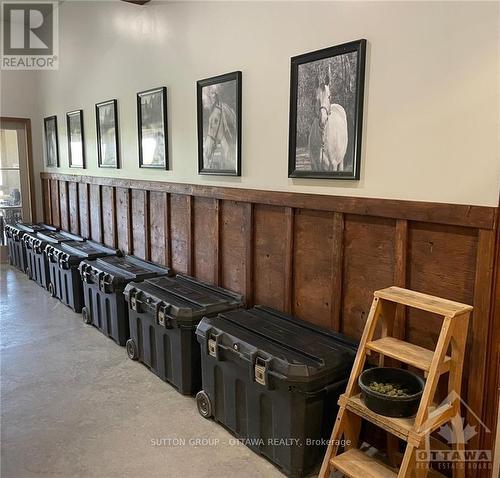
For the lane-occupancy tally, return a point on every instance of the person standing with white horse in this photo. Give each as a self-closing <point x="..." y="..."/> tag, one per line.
<point x="328" y="136"/>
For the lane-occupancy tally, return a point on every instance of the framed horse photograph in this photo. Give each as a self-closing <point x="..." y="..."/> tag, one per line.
<point x="219" y="125"/>
<point x="51" y="142"/>
<point x="326" y="112"/>
<point x="152" y="128"/>
<point x="76" y="145"/>
<point x="108" y="150"/>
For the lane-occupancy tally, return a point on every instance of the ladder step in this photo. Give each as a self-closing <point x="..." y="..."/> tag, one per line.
<point x="400" y="427"/>
<point x="405" y="352"/>
<point x="403" y="428"/>
<point x="356" y="464"/>
<point x="430" y="303"/>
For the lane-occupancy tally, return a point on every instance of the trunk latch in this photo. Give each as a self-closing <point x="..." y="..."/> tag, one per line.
<point x="212" y="345"/>
<point x="161" y="314"/>
<point x="260" y="371"/>
<point x="104" y="285"/>
<point x="133" y="300"/>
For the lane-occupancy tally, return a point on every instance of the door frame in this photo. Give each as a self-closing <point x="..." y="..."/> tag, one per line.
<point x="26" y="122"/>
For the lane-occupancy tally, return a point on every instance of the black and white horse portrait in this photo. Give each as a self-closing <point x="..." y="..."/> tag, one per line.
<point x="152" y="128"/>
<point x="76" y="143"/>
<point x="219" y="124"/>
<point x="51" y="142"/>
<point x="326" y="112"/>
<point x="108" y="151"/>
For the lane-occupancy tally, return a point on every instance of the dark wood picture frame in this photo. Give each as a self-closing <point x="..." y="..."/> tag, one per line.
<point x="46" y="121"/>
<point x="163" y="91"/>
<point x="215" y="80"/>
<point x="114" y="102"/>
<point x="358" y="47"/>
<point x="69" y="114"/>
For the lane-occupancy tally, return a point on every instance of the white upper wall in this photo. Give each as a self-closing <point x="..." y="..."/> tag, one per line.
<point x="432" y="97"/>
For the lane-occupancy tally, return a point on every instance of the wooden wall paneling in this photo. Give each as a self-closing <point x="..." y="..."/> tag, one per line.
<point x="492" y="389"/>
<point x="55" y="205"/>
<point x="337" y="271"/>
<point x="313" y="266"/>
<point x="123" y="223"/>
<point x="109" y="220"/>
<point x="95" y="213"/>
<point x="441" y="261"/>
<point x="270" y="256"/>
<point x="190" y="233"/>
<point x="368" y="266"/>
<point x="168" y="233"/>
<point x="205" y="232"/>
<point x="439" y="213"/>
<point x="64" y="204"/>
<point x="217" y="228"/>
<point x="46" y="197"/>
<point x="140" y="231"/>
<point x="157" y="209"/>
<point x="179" y="232"/>
<point x="478" y="331"/>
<point x="400" y="256"/>
<point x="74" y="208"/>
<point x="288" y="266"/>
<point x="233" y="246"/>
<point x="84" y="209"/>
<point x="248" y="231"/>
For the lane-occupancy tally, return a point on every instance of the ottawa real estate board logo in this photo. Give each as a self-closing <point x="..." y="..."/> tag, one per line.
<point x="29" y="36"/>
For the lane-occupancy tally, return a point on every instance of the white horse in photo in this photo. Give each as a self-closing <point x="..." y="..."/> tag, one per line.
<point x="328" y="136"/>
<point x="219" y="148"/>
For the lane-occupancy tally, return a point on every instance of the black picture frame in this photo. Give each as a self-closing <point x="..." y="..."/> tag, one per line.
<point x="79" y="115"/>
<point x="54" y="151"/>
<point x="116" y="140"/>
<point x="351" y="143"/>
<point x="164" y="128"/>
<point x="219" y="80"/>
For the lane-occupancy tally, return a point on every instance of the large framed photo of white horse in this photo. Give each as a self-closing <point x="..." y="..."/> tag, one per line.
<point x="326" y="112"/>
<point x="219" y="125"/>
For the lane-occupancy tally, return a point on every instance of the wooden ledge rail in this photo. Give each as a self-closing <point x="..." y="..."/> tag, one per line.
<point x="482" y="217"/>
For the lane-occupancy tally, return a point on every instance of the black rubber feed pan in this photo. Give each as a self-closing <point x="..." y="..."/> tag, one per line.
<point x="389" y="406"/>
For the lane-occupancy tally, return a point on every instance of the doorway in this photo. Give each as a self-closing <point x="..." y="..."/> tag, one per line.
<point x="16" y="173"/>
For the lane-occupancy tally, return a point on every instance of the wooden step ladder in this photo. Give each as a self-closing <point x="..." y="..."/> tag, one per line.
<point x="415" y="431"/>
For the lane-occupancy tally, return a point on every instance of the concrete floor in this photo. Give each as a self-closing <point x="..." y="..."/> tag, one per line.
<point x="74" y="405"/>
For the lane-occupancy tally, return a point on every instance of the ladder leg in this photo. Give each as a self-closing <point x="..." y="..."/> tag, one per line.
<point x="422" y="461"/>
<point x="458" y="344"/>
<point x="333" y="445"/>
<point x="433" y="376"/>
<point x="408" y="462"/>
<point x="459" y="445"/>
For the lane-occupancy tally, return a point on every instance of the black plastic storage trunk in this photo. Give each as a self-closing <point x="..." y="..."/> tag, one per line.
<point x="17" y="250"/>
<point x="65" y="280"/>
<point x="35" y="243"/>
<point x="163" y="315"/>
<point x="104" y="281"/>
<point x="274" y="382"/>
